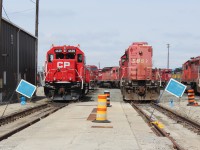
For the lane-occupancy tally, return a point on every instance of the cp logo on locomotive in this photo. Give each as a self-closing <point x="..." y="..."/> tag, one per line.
<point x="63" y="64"/>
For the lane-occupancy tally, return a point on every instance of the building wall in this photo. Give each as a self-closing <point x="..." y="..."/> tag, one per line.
<point x="18" y="48"/>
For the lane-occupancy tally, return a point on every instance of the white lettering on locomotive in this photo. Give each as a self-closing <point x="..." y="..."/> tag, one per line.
<point x="63" y="64"/>
<point x="138" y="60"/>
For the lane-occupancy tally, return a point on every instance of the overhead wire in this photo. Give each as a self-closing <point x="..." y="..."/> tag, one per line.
<point x="33" y="1"/>
<point x="22" y="11"/>
<point x="6" y="13"/>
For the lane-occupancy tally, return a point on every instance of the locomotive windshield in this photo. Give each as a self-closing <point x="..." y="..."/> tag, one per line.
<point x="59" y="56"/>
<point x="70" y="55"/>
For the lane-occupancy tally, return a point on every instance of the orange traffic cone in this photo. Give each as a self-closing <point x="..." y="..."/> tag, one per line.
<point x="191" y="98"/>
<point x="108" y="98"/>
<point x="101" y="116"/>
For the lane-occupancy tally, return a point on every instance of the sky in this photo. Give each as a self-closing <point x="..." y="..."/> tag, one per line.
<point x="105" y="28"/>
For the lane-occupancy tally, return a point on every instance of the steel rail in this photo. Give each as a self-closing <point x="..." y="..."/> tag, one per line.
<point x="14" y="116"/>
<point x="30" y="122"/>
<point x="155" y="128"/>
<point x="178" y="117"/>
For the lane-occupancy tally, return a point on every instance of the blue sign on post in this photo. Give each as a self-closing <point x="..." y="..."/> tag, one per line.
<point x="25" y="88"/>
<point x="175" y="88"/>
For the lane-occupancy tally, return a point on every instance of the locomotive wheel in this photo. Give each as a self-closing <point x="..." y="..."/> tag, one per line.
<point x="46" y="91"/>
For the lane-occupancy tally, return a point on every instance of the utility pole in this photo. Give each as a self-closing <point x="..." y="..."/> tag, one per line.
<point x="1" y="5"/>
<point x="168" y="45"/>
<point x="99" y="65"/>
<point x="36" y="18"/>
<point x="36" y="34"/>
<point x="1" y="86"/>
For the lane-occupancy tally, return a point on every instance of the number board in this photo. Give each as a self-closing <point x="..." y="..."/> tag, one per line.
<point x="25" y="88"/>
<point x="175" y="88"/>
<point x="71" y="51"/>
<point x="58" y="50"/>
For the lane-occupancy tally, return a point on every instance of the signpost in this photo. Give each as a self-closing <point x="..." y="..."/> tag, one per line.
<point x="175" y="88"/>
<point x="25" y="88"/>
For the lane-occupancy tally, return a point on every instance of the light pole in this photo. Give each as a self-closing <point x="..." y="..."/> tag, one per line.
<point x="168" y="45"/>
<point x="1" y="5"/>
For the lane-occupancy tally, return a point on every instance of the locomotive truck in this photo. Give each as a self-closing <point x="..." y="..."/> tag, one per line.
<point x="136" y="78"/>
<point x="65" y="75"/>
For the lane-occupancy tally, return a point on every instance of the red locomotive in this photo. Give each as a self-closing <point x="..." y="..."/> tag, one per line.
<point x="65" y="77"/>
<point x="191" y="73"/>
<point x="92" y="76"/>
<point x="109" y="76"/>
<point x="136" y="73"/>
<point x="165" y="75"/>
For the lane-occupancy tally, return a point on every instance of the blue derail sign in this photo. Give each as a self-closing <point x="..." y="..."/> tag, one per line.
<point x="175" y="88"/>
<point x="25" y="88"/>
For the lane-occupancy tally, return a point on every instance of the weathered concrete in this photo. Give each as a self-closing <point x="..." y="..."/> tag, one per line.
<point x="69" y="129"/>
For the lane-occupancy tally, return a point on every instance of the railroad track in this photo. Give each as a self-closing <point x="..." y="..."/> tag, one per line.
<point x="178" y="139"/>
<point x="18" y="121"/>
<point x="184" y="120"/>
<point x="158" y="131"/>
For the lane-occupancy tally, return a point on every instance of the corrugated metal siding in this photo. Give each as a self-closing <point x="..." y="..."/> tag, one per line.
<point x="8" y="58"/>
<point x="27" y="57"/>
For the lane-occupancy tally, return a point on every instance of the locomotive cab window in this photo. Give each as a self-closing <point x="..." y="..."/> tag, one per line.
<point x="50" y="57"/>
<point x="70" y="55"/>
<point x="80" y="58"/>
<point x="59" y="56"/>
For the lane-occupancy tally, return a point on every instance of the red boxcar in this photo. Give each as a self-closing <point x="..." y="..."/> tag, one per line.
<point x="136" y="73"/>
<point x="109" y="76"/>
<point x="191" y="73"/>
<point x="92" y="76"/>
<point x="65" y="77"/>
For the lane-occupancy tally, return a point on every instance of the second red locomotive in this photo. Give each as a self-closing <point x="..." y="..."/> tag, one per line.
<point x="191" y="74"/>
<point x="136" y="73"/>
